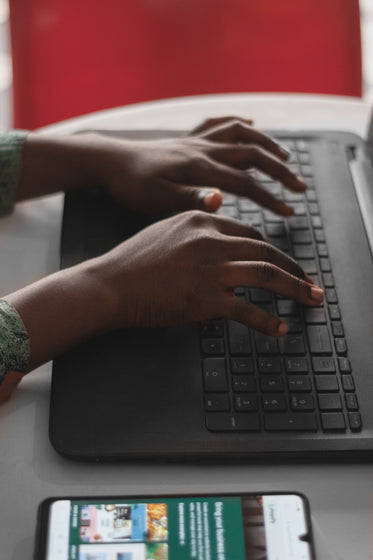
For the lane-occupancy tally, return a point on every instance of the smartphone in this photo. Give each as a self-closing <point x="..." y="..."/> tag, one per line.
<point x="273" y="526"/>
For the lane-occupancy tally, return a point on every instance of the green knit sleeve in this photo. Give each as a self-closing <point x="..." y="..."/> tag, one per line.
<point x="11" y="146"/>
<point x="14" y="349"/>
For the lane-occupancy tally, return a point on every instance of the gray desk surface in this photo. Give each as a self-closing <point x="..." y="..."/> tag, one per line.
<point x="341" y="496"/>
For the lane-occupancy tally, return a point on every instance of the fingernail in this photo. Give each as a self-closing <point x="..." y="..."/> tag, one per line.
<point x="284" y="151"/>
<point x="301" y="182"/>
<point x="317" y="294"/>
<point x="282" y="329"/>
<point x="208" y="199"/>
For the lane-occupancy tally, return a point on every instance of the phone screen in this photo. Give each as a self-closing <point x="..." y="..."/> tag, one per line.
<point x="251" y="527"/>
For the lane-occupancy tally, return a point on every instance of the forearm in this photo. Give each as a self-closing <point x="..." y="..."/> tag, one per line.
<point x="63" y="310"/>
<point x="59" y="163"/>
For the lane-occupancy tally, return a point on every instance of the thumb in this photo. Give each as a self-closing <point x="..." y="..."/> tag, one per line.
<point x="205" y="199"/>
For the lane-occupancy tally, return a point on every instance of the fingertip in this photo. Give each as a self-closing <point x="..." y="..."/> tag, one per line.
<point x="282" y="328"/>
<point x="283" y="152"/>
<point x="211" y="200"/>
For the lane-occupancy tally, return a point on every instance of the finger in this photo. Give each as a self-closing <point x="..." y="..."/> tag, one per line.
<point x="256" y="318"/>
<point x="243" y="250"/>
<point x="230" y="227"/>
<point x="275" y="168"/>
<point x="212" y="122"/>
<point x="237" y="131"/>
<point x="243" y="157"/>
<point x="208" y="172"/>
<point x="185" y="197"/>
<point x="273" y="278"/>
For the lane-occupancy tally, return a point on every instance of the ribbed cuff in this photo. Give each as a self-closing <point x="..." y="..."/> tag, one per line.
<point x="11" y="147"/>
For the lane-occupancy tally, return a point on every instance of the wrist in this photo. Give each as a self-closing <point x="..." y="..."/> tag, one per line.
<point x="64" y="310"/>
<point x="60" y="163"/>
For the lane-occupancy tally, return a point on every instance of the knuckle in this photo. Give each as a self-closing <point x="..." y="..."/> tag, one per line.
<point x="196" y="219"/>
<point x="264" y="273"/>
<point x="268" y="252"/>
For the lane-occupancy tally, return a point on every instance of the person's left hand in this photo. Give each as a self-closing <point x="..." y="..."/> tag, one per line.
<point x="155" y="176"/>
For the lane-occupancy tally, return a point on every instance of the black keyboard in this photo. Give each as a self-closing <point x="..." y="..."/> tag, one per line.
<point x="303" y="381"/>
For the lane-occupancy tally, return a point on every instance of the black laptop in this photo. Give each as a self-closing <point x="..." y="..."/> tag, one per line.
<point x="219" y="389"/>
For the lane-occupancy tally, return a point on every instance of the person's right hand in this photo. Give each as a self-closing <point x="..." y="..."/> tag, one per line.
<point x="185" y="269"/>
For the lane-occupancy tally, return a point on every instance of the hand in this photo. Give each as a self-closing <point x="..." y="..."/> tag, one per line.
<point x="178" y="270"/>
<point x="185" y="269"/>
<point x="187" y="173"/>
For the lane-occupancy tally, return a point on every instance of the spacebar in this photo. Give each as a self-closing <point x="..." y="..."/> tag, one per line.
<point x="221" y="422"/>
<point x="281" y="422"/>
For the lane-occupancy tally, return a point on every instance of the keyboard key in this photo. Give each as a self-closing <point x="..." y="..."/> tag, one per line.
<point x="293" y="344"/>
<point x="269" y="365"/>
<point x="323" y="365"/>
<point x="334" y="312"/>
<point x="290" y="421"/>
<point x="322" y="250"/>
<point x="224" y="422"/>
<point x="306" y="170"/>
<point x="298" y="222"/>
<point x="354" y="420"/>
<point x="325" y="267"/>
<point x="318" y="234"/>
<point x="272" y="383"/>
<point x="296" y="365"/>
<point x="251" y="218"/>
<point x="351" y="402"/>
<point x="337" y="329"/>
<point x="348" y="383"/>
<point x="333" y="422"/>
<point x="319" y="339"/>
<point x="275" y="230"/>
<point x="213" y="346"/>
<point x="299" y="209"/>
<point x="259" y="295"/>
<point x="331" y="296"/>
<point x="302" y="237"/>
<point x="246" y="403"/>
<point x="311" y="195"/>
<point x="215" y="375"/>
<point x="242" y="365"/>
<point x="326" y="383"/>
<point x="228" y="211"/>
<point x="314" y="209"/>
<point x="302" y="145"/>
<point x="247" y="205"/>
<point x="217" y="327"/>
<point x="328" y="280"/>
<point x="294" y="324"/>
<point x="269" y="216"/>
<point x="239" y="339"/>
<point x="329" y="402"/>
<point x="309" y="266"/>
<point x="244" y="384"/>
<point x="316" y="222"/>
<point x="274" y="402"/>
<point x="217" y="402"/>
<point x="344" y="365"/>
<point x="287" y="307"/>
<point x="301" y="402"/>
<point x="265" y="345"/>
<point x="314" y="315"/>
<point x="340" y="346"/>
<point x="303" y="252"/>
<point x="304" y="158"/>
<point x="299" y="383"/>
